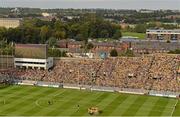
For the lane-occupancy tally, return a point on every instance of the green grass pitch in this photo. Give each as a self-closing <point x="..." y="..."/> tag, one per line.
<point x="30" y="100"/>
<point x="134" y="34"/>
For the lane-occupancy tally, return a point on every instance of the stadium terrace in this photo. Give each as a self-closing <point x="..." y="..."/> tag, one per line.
<point x="147" y="74"/>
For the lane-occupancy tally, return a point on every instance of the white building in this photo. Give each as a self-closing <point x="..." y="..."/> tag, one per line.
<point x="33" y="63"/>
<point x="46" y="15"/>
<point x="10" y="22"/>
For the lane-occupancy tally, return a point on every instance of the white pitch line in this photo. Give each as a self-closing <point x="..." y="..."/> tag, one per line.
<point x="174" y="107"/>
<point x="37" y="104"/>
<point x="37" y="101"/>
<point x="59" y="93"/>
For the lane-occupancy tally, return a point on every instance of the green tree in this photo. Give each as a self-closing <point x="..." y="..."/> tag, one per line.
<point x="177" y="51"/>
<point x="140" y="28"/>
<point x="44" y="33"/>
<point x="52" y="42"/>
<point x="104" y="34"/>
<point x="54" y="52"/>
<point x="90" y="46"/>
<point x="3" y="32"/>
<point x="79" y="37"/>
<point x="59" y="35"/>
<point x="117" y="34"/>
<point x="113" y="53"/>
<point x="58" y="25"/>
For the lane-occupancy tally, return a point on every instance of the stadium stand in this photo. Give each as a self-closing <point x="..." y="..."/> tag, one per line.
<point x="158" y="72"/>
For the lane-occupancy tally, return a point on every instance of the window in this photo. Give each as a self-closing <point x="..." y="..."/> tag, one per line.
<point x="40" y="63"/>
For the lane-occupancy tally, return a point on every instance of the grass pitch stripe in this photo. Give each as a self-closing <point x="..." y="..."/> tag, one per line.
<point x="72" y="107"/>
<point x="7" y="89"/>
<point x="87" y="102"/>
<point x="39" y="94"/>
<point x="13" y="95"/>
<point x="57" y="107"/>
<point x="121" y="101"/>
<point x="20" y="101"/>
<point x="97" y="100"/>
<point x="43" y="109"/>
<point x="161" y="101"/>
<point x="94" y="102"/>
<point x="10" y="90"/>
<point x="132" y="111"/>
<point x="147" y="106"/>
<point x="114" y="104"/>
<point x="177" y="112"/>
<point x="35" y="108"/>
<point x="124" y="105"/>
<point x="169" y="108"/>
<point x="68" y="105"/>
<point x="106" y="101"/>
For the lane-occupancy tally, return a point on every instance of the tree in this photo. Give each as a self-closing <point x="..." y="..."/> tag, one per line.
<point x="79" y="37"/>
<point x="177" y="51"/>
<point x="38" y="31"/>
<point x="168" y="41"/>
<point x="44" y="34"/>
<point x="113" y="53"/>
<point x="3" y="32"/>
<point x="104" y="34"/>
<point x="54" y="52"/>
<point x="140" y="28"/>
<point x="52" y="42"/>
<point x="60" y="30"/>
<point x="59" y="26"/>
<point x="59" y="34"/>
<point x="73" y="30"/>
<point x="90" y="46"/>
<point x="117" y="34"/>
<point x="84" y="32"/>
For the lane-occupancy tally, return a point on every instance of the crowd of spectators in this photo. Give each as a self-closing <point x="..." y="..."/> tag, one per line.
<point x="151" y="72"/>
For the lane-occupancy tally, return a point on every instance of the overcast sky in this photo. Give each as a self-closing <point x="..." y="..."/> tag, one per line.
<point x="113" y="4"/>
